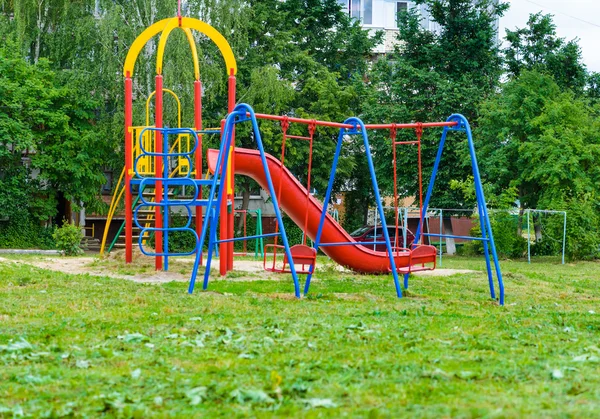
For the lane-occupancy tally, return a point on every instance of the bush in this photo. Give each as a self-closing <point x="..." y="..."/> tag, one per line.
<point x="25" y="233"/>
<point x="68" y="239"/>
<point x="583" y="224"/>
<point x="293" y="232"/>
<point x="508" y="243"/>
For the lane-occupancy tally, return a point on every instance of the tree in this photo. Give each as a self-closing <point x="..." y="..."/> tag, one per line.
<point x="305" y="65"/>
<point x="430" y="76"/>
<point x="46" y="129"/>
<point x="536" y="47"/>
<point x="542" y="141"/>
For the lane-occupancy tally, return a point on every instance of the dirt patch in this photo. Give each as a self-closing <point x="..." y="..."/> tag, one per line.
<point x="245" y="270"/>
<point x="84" y="265"/>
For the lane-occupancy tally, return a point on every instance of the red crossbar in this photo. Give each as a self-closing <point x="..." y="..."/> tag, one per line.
<point x="340" y="125"/>
<point x="412" y="125"/>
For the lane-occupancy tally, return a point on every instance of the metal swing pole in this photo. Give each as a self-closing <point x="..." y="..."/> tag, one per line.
<point x="564" y="237"/>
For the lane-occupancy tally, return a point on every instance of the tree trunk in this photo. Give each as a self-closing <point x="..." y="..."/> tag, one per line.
<point x="38" y="40"/>
<point x="537" y="226"/>
<point x="450" y="244"/>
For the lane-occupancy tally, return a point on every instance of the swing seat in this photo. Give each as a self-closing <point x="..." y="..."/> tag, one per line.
<point x="421" y="258"/>
<point x="302" y="255"/>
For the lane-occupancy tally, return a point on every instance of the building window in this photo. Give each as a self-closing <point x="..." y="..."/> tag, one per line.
<point x="362" y="10"/>
<point x="401" y="7"/>
<point x="107" y="187"/>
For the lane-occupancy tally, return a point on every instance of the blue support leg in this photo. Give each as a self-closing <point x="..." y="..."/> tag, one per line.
<point x="464" y="124"/>
<point x="336" y="156"/>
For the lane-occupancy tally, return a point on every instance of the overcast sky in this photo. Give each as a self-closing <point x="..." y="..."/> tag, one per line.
<point x="573" y="19"/>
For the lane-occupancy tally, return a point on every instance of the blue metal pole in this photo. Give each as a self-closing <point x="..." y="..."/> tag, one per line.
<point x="483" y="206"/>
<point x="212" y="210"/>
<point x="357" y="123"/>
<point x="263" y="158"/>
<point x="386" y="234"/>
<point x="336" y="156"/>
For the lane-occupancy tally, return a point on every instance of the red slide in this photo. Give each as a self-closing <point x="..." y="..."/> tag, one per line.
<point x="294" y="203"/>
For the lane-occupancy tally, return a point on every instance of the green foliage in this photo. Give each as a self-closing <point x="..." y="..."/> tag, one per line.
<point x="180" y="241"/>
<point x="505" y="228"/>
<point x="429" y="78"/>
<point x="543" y="143"/>
<point x="68" y="239"/>
<point x="294" y="233"/>
<point x="583" y="225"/>
<point x="51" y="127"/>
<point x="536" y="47"/>
<point x="25" y="233"/>
<point x="305" y="66"/>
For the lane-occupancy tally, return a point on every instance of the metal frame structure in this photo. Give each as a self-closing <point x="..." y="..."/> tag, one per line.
<point x="219" y="202"/>
<point x="564" y="240"/>
<point x="487" y="237"/>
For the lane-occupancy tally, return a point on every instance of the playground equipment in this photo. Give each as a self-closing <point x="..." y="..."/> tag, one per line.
<point x="258" y="241"/>
<point x="541" y="213"/>
<point x="152" y="150"/>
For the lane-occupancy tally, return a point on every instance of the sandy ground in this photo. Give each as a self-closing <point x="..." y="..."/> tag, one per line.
<point x="85" y="265"/>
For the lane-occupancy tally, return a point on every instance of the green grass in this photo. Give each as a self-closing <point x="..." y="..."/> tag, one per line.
<point x="91" y="346"/>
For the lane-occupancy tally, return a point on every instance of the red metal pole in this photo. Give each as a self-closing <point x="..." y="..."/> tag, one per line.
<point x="230" y="222"/>
<point x="158" y="169"/>
<point x="223" y="216"/>
<point x="395" y="157"/>
<point x="302" y="121"/>
<point x="311" y="133"/>
<point x="198" y="154"/>
<point x="128" y="170"/>
<point x="419" y="135"/>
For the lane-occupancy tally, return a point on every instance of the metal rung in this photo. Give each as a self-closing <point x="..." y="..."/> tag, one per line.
<point x="174" y="181"/>
<point x="405" y="142"/>
<point x="248" y="237"/>
<point x="449" y="236"/>
<point x="298" y="137"/>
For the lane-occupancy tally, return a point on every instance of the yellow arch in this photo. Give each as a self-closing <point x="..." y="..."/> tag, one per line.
<point x="164" y="36"/>
<point x="172" y="93"/>
<point x="186" y="23"/>
<point x="192" y="43"/>
<point x="139" y="43"/>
